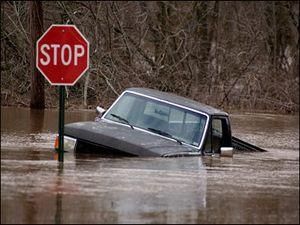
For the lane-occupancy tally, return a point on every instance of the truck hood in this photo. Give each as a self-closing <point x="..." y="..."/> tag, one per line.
<point x="125" y="139"/>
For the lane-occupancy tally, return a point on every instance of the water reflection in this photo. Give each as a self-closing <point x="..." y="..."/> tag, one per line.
<point x="58" y="212"/>
<point x="130" y="190"/>
<point x="36" y="120"/>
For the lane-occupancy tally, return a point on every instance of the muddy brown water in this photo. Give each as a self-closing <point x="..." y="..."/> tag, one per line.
<point x="248" y="188"/>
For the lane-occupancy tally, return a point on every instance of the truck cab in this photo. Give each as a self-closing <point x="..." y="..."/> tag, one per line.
<point x="147" y="122"/>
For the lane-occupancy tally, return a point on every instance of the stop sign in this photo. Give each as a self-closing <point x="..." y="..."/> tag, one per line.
<point x="62" y="54"/>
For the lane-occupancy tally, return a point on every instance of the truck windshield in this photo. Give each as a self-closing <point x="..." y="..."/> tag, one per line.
<point x="166" y="119"/>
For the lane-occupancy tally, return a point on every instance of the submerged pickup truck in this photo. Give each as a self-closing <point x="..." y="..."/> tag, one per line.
<point x="147" y="122"/>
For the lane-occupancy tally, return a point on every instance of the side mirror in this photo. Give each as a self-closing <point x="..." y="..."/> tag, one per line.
<point x="100" y="110"/>
<point x="226" y="151"/>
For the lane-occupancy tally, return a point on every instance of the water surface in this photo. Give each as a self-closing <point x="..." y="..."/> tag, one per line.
<point x="248" y="188"/>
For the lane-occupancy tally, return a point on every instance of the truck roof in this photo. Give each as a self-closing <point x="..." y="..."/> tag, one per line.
<point x="179" y="100"/>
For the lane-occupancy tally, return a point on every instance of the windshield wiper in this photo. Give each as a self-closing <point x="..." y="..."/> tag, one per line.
<point x="122" y="119"/>
<point x="164" y="134"/>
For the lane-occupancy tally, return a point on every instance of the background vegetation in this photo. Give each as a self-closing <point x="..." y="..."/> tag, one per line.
<point x="241" y="55"/>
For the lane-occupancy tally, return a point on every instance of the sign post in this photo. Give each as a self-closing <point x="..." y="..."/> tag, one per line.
<point x="61" y="123"/>
<point x="62" y="56"/>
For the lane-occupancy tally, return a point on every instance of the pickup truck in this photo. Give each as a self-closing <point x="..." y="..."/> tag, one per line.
<point x="146" y="122"/>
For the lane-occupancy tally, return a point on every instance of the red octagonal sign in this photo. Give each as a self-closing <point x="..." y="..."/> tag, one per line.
<point x="62" y="55"/>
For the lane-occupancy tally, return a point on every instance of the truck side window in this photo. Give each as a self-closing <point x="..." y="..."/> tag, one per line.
<point x="219" y="135"/>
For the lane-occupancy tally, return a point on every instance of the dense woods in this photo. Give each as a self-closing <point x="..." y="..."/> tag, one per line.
<point x="241" y="55"/>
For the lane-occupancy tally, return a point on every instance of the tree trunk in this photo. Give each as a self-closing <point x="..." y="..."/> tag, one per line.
<point x="37" y="80"/>
<point x="85" y="90"/>
<point x="213" y="31"/>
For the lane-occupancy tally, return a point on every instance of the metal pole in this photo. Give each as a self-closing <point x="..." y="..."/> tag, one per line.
<point x="61" y="123"/>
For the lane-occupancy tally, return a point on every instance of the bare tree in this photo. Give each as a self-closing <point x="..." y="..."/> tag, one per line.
<point x="37" y="80"/>
<point x="232" y="54"/>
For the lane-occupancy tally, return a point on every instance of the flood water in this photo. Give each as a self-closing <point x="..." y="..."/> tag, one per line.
<point x="248" y="188"/>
